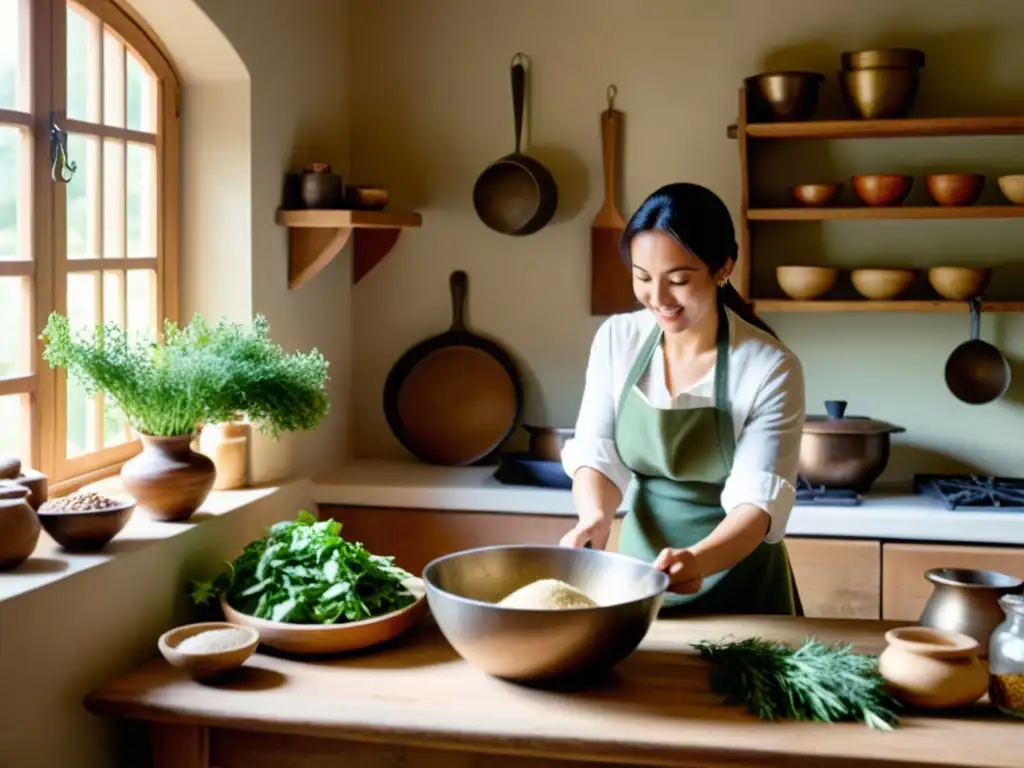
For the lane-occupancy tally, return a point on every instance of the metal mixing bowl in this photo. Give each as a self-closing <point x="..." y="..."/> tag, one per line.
<point x="534" y="645"/>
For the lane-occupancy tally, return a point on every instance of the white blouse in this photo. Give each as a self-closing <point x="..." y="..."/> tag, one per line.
<point x="766" y="391"/>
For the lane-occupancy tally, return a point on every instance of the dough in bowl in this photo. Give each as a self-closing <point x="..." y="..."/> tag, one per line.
<point x="547" y="595"/>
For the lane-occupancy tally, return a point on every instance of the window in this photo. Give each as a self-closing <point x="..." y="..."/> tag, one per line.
<point x="97" y="244"/>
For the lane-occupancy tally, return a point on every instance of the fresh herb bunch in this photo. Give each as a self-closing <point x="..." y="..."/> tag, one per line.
<point x="199" y="374"/>
<point x="817" y="682"/>
<point x="304" y="572"/>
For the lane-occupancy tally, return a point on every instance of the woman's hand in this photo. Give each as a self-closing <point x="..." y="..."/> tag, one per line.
<point x="683" y="570"/>
<point x="593" y="529"/>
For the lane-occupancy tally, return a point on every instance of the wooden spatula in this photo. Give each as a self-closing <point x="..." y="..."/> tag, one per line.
<point x="611" y="288"/>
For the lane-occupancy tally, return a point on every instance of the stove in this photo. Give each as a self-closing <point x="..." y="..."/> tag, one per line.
<point x="973" y="492"/>
<point x="820" y="496"/>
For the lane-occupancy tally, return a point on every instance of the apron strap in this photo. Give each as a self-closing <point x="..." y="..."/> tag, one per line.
<point x="723" y="406"/>
<point x="641" y="362"/>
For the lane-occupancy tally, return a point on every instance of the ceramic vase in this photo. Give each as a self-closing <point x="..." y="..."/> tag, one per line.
<point x="932" y="669"/>
<point x="227" y="445"/>
<point x="19" y="526"/>
<point x="169" y="479"/>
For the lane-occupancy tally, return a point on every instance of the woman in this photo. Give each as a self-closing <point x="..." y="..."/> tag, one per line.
<point x="696" y="400"/>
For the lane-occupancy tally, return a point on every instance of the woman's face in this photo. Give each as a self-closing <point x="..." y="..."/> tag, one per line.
<point x="671" y="282"/>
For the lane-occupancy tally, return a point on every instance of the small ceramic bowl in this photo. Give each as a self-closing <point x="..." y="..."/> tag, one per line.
<point x="881" y="189"/>
<point x="931" y="668"/>
<point x="816" y="195"/>
<point x="1013" y="188"/>
<point x="959" y="283"/>
<point x="881" y="284"/>
<point x="199" y="665"/>
<point x="88" y="530"/>
<point x="954" y="188"/>
<point x="805" y="283"/>
<point x="368" y="198"/>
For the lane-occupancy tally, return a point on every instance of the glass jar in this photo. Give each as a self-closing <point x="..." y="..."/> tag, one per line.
<point x="1006" y="658"/>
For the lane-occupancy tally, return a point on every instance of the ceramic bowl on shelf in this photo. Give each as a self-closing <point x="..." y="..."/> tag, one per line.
<point x="881" y="284"/>
<point x="805" y="283"/>
<point x="783" y="96"/>
<point x="367" y="198"/>
<point x="954" y="188"/>
<point x="816" y="195"/>
<point x="959" y="283"/>
<point x="84" y="530"/>
<point x="882" y="189"/>
<point x="202" y="664"/>
<point x="1013" y="188"/>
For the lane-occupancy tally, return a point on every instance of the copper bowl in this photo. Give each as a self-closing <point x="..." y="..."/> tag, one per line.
<point x="879" y="93"/>
<point x="871" y="58"/>
<point x="805" y="283"/>
<point x="881" y="284"/>
<point x="783" y="96"/>
<point x="959" y="283"/>
<point x="880" y="189"/>
<point x="368" y="198"/>
<point x="954" y="188"/>
<point x="1013" y="188"/>
<point x="816" y="195"/>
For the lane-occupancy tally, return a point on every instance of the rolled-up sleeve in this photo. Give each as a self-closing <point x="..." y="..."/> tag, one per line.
<point x="764" y="469"/>
<point x="593" y="443"/>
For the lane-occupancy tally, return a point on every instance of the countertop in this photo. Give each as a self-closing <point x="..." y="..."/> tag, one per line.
<point x="886" y="513"/>
<point x="655" y="708"/>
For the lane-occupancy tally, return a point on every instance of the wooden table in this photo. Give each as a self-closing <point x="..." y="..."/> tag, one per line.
<point x="416" y="703"/>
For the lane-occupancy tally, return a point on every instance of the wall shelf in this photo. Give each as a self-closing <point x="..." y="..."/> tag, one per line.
<point x="884" y="129"/>
<point x="315" y="237"/>
<point x="888" y="212"/>
<point x="864" y="305"/>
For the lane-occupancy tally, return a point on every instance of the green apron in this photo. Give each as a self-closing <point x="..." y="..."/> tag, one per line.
<point x="680" y="459"/>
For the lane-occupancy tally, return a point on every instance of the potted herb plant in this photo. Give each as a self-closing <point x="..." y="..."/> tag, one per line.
<point x="167" y="390"/>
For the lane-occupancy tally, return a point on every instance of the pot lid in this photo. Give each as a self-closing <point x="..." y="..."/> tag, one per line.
<point x="837" y="423"/>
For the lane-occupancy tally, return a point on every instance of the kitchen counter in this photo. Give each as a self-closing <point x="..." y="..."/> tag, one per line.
<point x="885" y="514"/>
<point x="416" y="702"/>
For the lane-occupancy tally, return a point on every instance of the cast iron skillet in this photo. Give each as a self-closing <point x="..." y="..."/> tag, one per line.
<point x="454" y="398"/>
<point x="977" y="372"/>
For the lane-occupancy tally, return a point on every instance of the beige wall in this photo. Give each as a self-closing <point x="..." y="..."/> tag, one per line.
<point x="432" y="106"/>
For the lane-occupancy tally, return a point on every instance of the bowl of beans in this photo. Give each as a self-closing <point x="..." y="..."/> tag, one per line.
<point x="84" y="521"/>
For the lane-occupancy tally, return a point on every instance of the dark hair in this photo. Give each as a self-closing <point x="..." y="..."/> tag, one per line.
<point x="697" y="219"/>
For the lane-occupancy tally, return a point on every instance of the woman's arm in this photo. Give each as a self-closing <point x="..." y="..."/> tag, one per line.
<point x="596" y="499"/>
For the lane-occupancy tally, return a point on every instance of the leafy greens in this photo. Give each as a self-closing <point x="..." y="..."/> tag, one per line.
<point x="303" y="572"/>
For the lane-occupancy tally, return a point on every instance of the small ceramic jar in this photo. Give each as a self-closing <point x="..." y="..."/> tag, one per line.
<point x="19" y="526"/>
<point x="1006" y="658"/>
<point x="933" y="669"/>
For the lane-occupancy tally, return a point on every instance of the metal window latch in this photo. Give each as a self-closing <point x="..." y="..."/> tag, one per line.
<point x="59" y="155"/>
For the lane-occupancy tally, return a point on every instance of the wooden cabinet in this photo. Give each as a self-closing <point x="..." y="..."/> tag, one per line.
<point x="836" y="578"/>
<point x="904" y="587"/>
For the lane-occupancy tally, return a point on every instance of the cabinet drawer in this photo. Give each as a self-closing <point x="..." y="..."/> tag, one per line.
<point x="837" y="579"/>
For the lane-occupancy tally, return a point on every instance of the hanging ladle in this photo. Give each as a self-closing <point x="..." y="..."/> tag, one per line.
<point x="977" y="372"/>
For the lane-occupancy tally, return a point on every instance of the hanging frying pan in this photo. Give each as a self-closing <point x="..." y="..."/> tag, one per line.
<point x="454" y="398"/>
<point x="977" y="372"/>
<point x="516" y="195"/>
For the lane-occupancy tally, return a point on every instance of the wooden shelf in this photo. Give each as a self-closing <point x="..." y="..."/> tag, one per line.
<point x="888" y="212"/>
<point x="865" y="305"/>
<point x="885" y="129"/>
<point x="315" y="237"/>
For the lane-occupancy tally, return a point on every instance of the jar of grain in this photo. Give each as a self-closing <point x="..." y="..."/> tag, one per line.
<point x="227" y="445"/>
<point x="1006" y="658"/>
<point x="19" y="526"/>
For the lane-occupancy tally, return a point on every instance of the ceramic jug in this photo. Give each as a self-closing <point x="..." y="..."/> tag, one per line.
<point x="932" y="669"/>
<point x="967" y="601"/>
<point x="19" y="526"/>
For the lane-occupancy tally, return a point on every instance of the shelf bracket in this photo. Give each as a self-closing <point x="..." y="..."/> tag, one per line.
<point x="369" y="248"/>
<point x="313" y="248"/>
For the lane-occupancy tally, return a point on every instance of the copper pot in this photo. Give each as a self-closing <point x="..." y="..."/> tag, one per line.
<point x="546" y="442"/>
<point x="967" y="601"/>
<point x="848" y="453"/>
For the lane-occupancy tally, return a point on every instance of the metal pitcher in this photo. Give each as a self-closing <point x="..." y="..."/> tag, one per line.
<point x="967" y="601"/>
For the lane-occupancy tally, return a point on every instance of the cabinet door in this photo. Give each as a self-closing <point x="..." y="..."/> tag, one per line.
<point x="837" y="579"/>
<point x="904" y="587"/>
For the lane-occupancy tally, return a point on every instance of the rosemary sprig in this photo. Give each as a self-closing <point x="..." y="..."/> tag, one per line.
<point x="816" y="682"/>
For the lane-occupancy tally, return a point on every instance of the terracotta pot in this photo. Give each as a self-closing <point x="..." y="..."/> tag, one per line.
<point x="168" y="478"/>
<point x="932" y="669"/>
<point x="227" y="445"/>
<point x="19" y="526"/>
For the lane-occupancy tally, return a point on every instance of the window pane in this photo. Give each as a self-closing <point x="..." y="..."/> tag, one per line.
<point x="115" y="429"/>
<point x="83" y="306"/>
<point x="142" y="302"/>
<point x="141" y="202"/>
<point x="15" y="328"/>
<point x="11" y="167"/>
<point x="15" y="428"/>
<point x="113" y="198"/>
<point x="12" y="57"/>
<point x="113" y="80"/>
<point x="141" y="101"/>
<point x="83" y="198"/>
<point x="83" y="89"/>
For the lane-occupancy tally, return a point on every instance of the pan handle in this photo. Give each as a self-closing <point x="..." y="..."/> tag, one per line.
<point x="518" y="94"/>
<point x="975" y="305"/>
<point x="458" y="282"/>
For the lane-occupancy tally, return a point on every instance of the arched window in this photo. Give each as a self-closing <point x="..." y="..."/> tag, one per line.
<point x="82" y="78"/>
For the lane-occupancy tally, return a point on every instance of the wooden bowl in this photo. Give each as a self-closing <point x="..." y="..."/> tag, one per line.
<point x="881" y="189"/>
<point x="881" y="284"/>
<point x="816" y="195"/>
<point x="954" y="188"/>
<point x="333" y="638"/>
<point x="1013" y="188"/>
<point x="804" y="283"/>
<point x="205" y="665"/>
<point x="959" y="283"/>
<point x="85" y="531"/>
<point x="368" y="198"/>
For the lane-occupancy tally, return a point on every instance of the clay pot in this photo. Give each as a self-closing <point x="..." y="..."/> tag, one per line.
<point x="928" y="668"/>
<point x="19" y="526"/>
<point x="227" y="445"/>
<point x="169" y="479"/>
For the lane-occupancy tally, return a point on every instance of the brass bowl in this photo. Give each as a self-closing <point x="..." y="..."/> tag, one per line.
<point x="879" y="93"/>
<point x="881" y="284"/>
<point x="368" y="198"/>
<point x="872" y="58"/>
<point x="816" y="195"/>
<point x="959" y="283"/>
<point x="783" y="96"/>
<point x="1013" y="188"/>
<point x="806" y="283"/>
<point x="954" y="188"/>
<point x="881" y="189"/>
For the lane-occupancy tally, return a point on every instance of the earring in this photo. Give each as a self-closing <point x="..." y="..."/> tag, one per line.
<point x="723" y="282"/>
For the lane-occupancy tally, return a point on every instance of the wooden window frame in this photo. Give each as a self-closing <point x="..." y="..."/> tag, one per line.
<point x="44" y="46"/>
